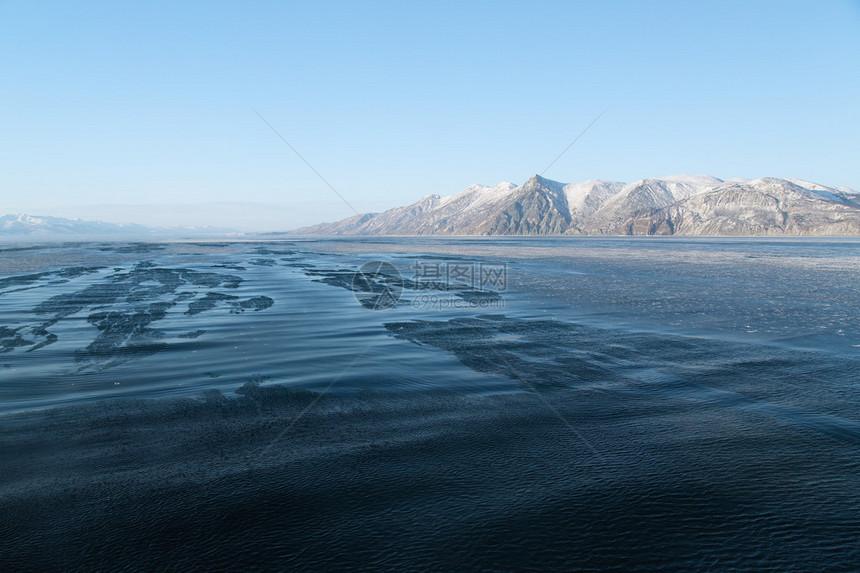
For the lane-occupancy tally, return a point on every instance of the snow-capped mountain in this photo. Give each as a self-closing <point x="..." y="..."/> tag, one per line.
<point x="24" y="224"/>
<point x="764" y="206"/>
<point x="29" y="227"/>
<point x="646" y="195"/>
<point x="680" y="205"/>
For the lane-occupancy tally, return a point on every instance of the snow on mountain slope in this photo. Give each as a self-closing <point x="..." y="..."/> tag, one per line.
<point x="684" y="204"/>
<point x="644" y="196"/>
<point x="585" y="199"/>
<point x="834" y="194"/>
<point x="538" y="207"/>
<point x="766" y="206"/>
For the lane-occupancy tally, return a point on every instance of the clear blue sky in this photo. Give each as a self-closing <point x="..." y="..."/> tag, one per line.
<point x="142" y="111"/>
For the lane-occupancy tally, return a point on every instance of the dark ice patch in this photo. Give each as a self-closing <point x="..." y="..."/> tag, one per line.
<point x="275" y="394"/>
<point x="10" y="339"/>
<point x="268" y="251"/>
<point x="208" y="302"/>
<point x="536" y="352"/>
<point x="256" y="303"/>
<point x="725" y="374"/>
<point x="212" y="299"/>
<point x="74" y="272"/>
<point x="47" y="338"/>
<point x="193" y="334"/>
<point x="133" y="248"/>
<point x="231" y="266"/>
<point x="185" y="295"/>
<point x="22" y="280"/>
<point x="124" y="306"/>
<point x="355" y="281"/>
<point x="333" y="277"/>
<point x="478" y="296"/>
<point x="68" y="273"/>
<point x="124" y="335"/>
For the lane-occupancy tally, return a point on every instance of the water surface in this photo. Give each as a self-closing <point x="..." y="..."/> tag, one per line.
<point x="634" y="403"/>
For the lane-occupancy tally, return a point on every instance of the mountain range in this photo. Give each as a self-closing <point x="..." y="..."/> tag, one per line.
<point x="676" y="205"/>
<point x="29" y="227"/>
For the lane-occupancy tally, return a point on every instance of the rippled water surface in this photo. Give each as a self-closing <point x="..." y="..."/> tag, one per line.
<point x="506" y="404"/>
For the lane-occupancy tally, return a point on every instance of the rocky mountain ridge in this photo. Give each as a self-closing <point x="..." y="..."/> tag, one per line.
<point x="676" y="205"/>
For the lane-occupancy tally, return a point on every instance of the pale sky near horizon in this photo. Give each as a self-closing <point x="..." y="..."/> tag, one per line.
<point x="144" y="111"/>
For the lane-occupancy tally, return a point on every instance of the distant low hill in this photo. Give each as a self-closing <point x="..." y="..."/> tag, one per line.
<point x="676" y="205"/>
<point x="28" y="227"/>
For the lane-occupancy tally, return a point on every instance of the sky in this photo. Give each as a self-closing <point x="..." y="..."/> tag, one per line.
<point x="147" y="112"/>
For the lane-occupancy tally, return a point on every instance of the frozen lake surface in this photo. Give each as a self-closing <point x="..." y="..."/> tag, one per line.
<point x="506" y="403"/>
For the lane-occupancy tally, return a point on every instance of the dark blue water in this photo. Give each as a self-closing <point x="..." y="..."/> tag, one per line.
<point x="584" y="403"/>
